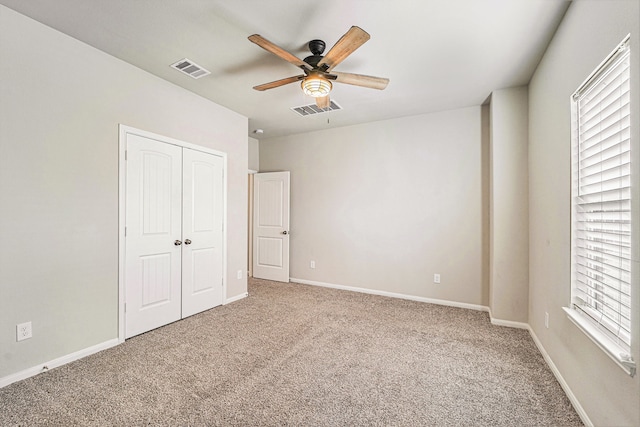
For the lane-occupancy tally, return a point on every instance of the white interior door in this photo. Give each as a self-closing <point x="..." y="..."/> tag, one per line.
<point x="201" y="231"/>
<point x="153" y="229"/>
<point x="271" y="226"/>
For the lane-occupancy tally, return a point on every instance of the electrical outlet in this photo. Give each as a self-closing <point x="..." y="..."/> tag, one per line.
<point x="436" y="278"/>
<point x="239" y="276"/>
<point x="312" y="264"/>
<point x="23" y="331"/>
<point x="546" y="320"/>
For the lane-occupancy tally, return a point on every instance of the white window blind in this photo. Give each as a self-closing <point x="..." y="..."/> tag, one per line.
<point x="601" y="199"/>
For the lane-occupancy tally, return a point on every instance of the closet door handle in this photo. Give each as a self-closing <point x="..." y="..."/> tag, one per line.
<point x="177" y="243"/>
<point x="187" y="242"/>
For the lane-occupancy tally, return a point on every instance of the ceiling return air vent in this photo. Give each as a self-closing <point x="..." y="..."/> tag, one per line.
<point x="313" y="109"/>
<point x="190" y="68"/>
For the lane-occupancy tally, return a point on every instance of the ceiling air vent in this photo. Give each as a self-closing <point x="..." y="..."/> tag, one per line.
<point x="312" y="109"/>
<point x="190" y="68"/>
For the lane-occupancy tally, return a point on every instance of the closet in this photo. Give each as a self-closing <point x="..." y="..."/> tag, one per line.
<point x="173" y="249"/>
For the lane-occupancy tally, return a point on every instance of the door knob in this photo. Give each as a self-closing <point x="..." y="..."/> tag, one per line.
<point x="285" y="232"/>
<point x="187" y="242"/>
<point x="177" y="243"/>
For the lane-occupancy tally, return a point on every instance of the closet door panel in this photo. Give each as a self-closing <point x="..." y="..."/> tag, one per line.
<point x="153" y="227"/>
<point x="202" y="204"/>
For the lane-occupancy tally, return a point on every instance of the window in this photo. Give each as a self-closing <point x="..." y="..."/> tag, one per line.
<point x="602" y="239"/>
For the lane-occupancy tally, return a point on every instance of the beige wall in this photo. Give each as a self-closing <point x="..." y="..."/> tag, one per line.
<point x="588" y="33"/>
<point x="60" y="105"/>
<point x="385" y="205"/>
<point x="254" y="155"/>
<point x="509" y="216"/>
<point x="486" y="192"/>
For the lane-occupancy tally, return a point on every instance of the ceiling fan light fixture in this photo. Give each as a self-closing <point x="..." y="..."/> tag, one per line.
<point x="316" y="86"/>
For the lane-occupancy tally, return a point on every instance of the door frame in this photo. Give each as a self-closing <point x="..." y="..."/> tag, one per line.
<point x="123" y="131"/>
<point x="250" y="223"/>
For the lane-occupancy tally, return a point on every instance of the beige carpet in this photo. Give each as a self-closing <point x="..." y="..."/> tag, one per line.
<point x="296" y="355"/>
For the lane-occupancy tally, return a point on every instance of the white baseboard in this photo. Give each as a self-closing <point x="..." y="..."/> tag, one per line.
<point x="236" y="298"/>
<point x="392" y="295"/>
<point x="507" y="323"/>
<point x="43" y="367"/>
<point x="572" y="397"/>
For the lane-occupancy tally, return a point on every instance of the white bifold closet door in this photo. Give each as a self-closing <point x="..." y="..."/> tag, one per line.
<point x="202" y="196"/>
<point x="174" y="210"/>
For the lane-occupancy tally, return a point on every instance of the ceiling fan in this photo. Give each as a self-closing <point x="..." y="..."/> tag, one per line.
<point x="318" y="74"/>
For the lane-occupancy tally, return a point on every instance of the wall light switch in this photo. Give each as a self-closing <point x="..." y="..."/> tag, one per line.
<point x="312" y="264"/>
<point x="436" y="278"/>
<point x="239" y="274"/>
<point x="546" y="319"/>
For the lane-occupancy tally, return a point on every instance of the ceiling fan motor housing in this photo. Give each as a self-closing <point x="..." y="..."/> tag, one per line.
<point x="313" y="60"/>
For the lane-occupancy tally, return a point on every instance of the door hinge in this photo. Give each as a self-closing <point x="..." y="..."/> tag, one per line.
<point x="125" y="307"/>
<point x="125" y="155"/>
<point x="125" y="232"/>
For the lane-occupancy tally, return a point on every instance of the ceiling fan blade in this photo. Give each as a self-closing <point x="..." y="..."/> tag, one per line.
<point x="278" y="51"/>
<point x="361" y="80"/>
<point x="323" y="102"/>
<point x="279" y="83"/>
<point x="353" y="39"/>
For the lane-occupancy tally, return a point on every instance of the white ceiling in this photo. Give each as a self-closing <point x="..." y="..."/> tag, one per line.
<point x="438" y="54"/>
